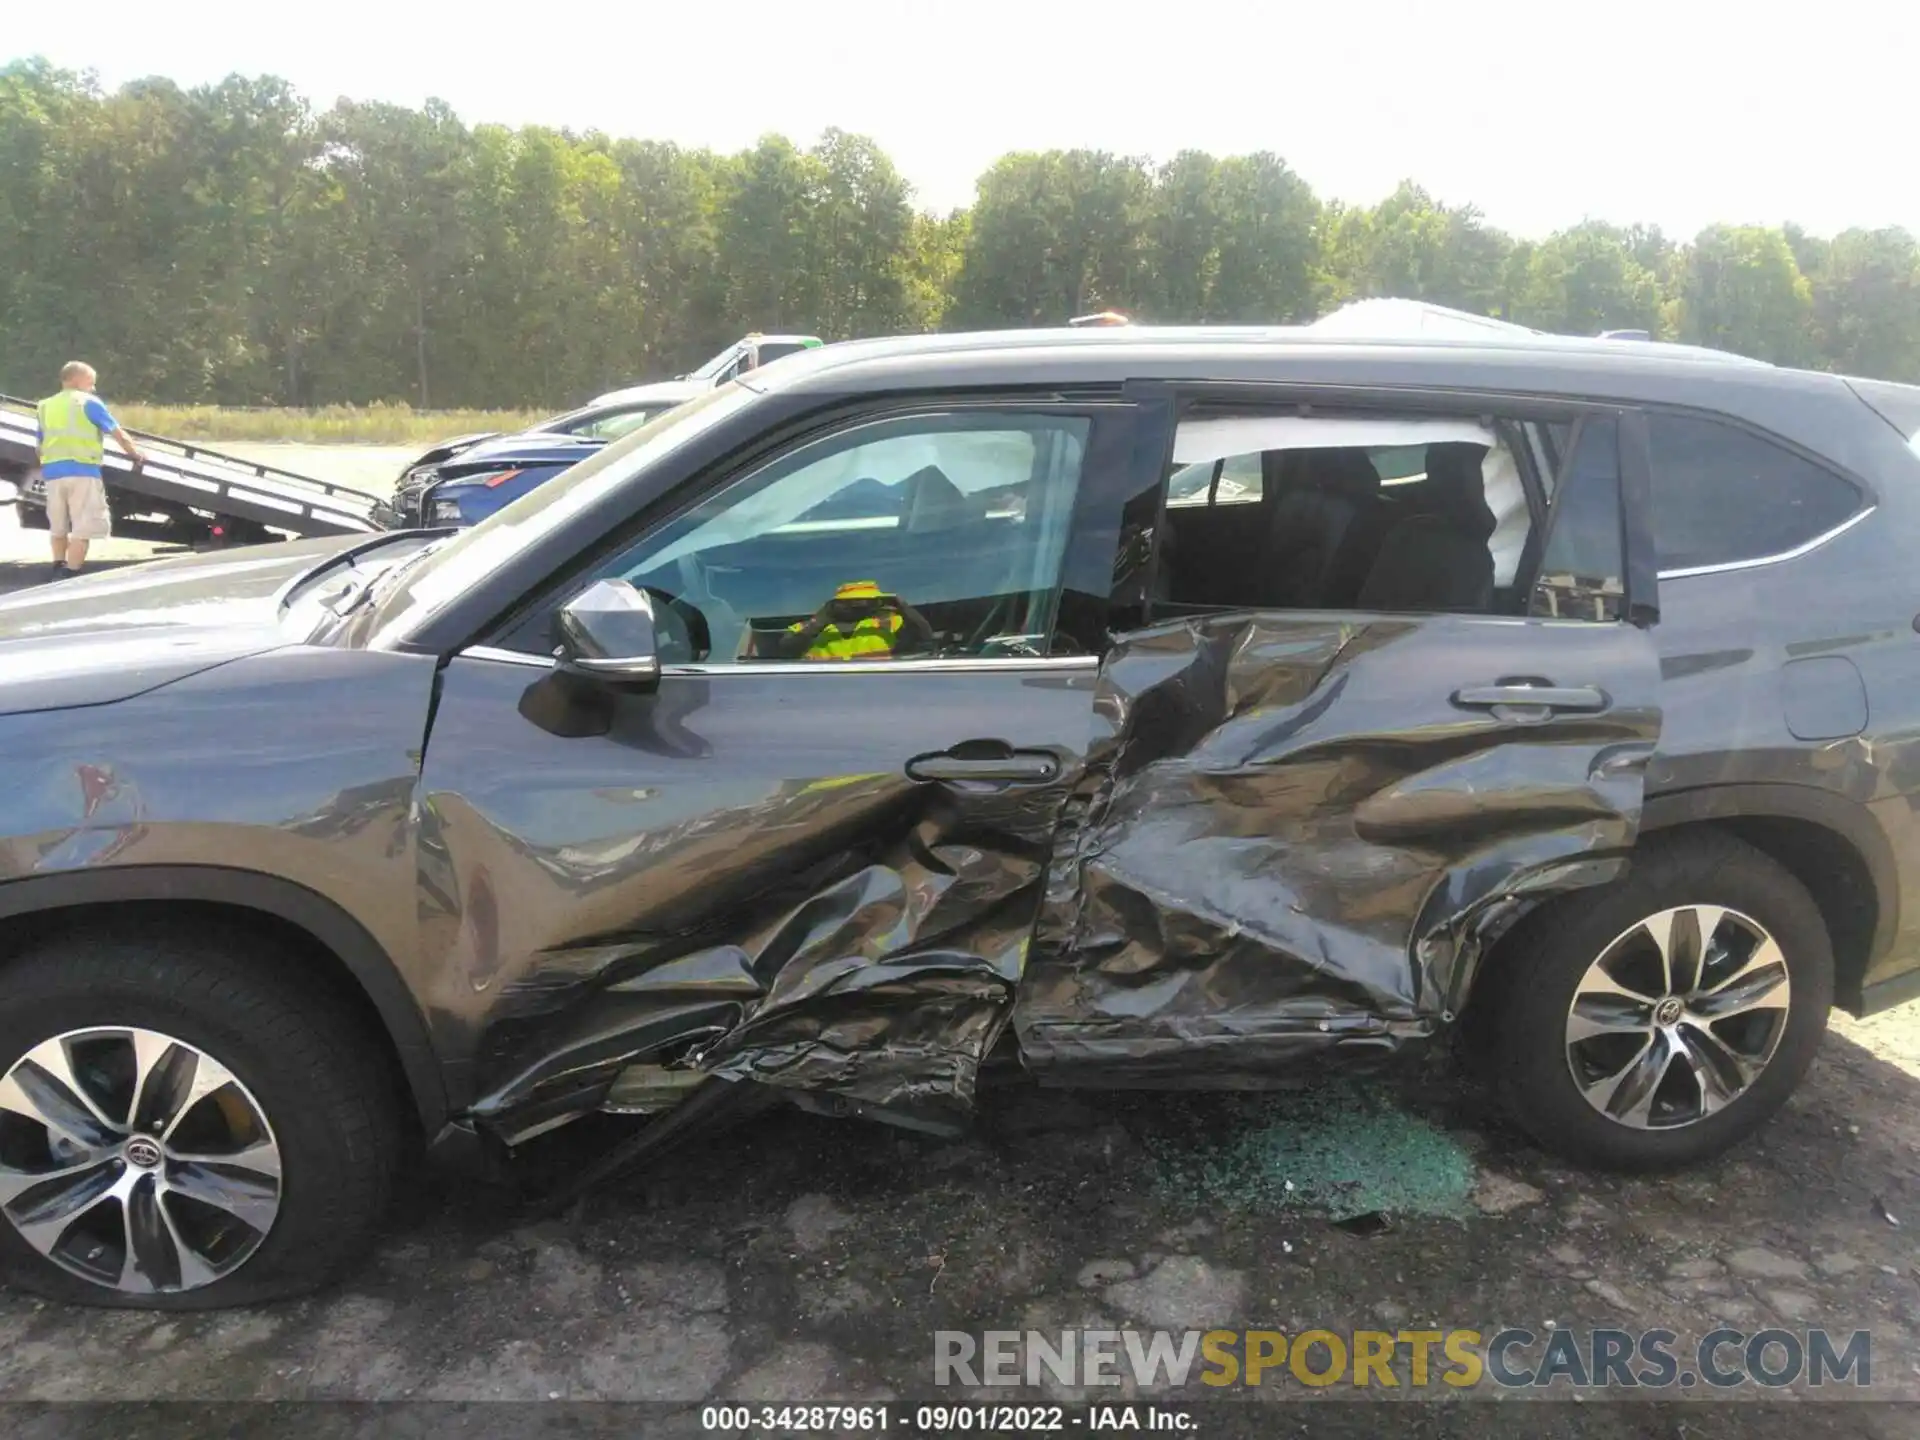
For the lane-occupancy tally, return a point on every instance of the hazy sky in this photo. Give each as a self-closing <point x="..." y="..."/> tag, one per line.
<point x="1542" y="114"/>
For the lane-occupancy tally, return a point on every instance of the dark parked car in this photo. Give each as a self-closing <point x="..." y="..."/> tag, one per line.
<point x="466" y="488"/>
<point x="1563" y="692"/>
<point x="592" y="425"/>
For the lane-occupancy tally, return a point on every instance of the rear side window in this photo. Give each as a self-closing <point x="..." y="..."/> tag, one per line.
<point x="1582" y="573"/>
<point x="1234" y="480"/>
<point x="1722" y="495"/>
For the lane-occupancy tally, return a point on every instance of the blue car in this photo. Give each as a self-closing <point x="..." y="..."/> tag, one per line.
<point x="470" y="486"/>
<point x="466" y="479"/>
<point x="473" y="485"/>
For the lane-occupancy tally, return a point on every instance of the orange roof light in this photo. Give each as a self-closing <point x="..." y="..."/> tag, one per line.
<point x="1104" y="317"/>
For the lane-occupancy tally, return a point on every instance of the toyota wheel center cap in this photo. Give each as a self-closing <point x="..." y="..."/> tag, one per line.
<point x="143" y="1152"/>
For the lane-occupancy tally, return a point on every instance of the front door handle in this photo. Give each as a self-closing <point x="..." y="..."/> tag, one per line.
<point x="1542" y="700"/>
<point x="968" y="762"/>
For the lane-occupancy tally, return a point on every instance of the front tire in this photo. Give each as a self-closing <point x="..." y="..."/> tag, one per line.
<point x="185" y="1124"/>
<point x="1657" y="1022"/>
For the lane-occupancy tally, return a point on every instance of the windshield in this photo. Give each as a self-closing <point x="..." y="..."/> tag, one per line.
<point x="468" y="557"/>
<point x="555" y="422"/>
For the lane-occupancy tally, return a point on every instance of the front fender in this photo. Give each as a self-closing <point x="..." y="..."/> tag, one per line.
<point x="326" y="923"/>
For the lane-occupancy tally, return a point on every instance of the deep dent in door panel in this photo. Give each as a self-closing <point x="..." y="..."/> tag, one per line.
<point x="1261" y="859"/>
<point x="869" y="948"/>
<point x="711" y="886"/>
<point x="1286" y="837"/>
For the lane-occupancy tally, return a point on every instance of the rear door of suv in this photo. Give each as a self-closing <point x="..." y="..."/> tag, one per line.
<point x="1302" y="823"/>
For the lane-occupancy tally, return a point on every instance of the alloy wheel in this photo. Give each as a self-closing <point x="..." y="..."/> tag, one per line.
<point x="1677" y="1017"/>
<point x="135" y="1160"/>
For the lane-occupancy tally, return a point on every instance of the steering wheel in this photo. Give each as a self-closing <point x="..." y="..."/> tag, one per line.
<point x="985" y="630"/>
<point x="724" y="625"/>
<point x="678" y="628"/>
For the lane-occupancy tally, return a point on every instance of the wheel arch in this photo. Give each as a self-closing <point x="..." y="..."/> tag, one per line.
<point x="340" y="946"/>
<point x="1829" y="843"/>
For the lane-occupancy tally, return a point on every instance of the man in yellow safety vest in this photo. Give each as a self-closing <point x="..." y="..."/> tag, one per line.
<point x="73" y="430"/>
<point x="858" y="623"/>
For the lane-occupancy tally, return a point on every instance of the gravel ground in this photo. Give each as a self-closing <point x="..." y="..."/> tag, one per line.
<point x="801" y="1258"/>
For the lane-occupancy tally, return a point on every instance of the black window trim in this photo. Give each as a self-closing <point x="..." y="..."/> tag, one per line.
<point x="817" y="424"/>
<point x="1639" y="552"/>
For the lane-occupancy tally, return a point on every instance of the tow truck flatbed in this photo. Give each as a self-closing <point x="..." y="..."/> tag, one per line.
<point x="193" y="486"/>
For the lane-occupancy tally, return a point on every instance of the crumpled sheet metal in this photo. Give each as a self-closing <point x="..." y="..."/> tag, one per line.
<point x="880" y="968"/>
<point x="1273" y="851"/>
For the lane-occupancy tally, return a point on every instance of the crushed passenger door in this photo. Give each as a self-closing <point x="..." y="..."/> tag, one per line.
<point x="1298" y="832"/>
<point x="1301" y="830"/>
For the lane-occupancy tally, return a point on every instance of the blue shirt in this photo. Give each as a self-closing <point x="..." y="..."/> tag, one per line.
<point x="67" y="469"/>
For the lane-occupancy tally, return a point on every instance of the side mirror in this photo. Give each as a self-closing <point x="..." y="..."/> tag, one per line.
<point x="607" y="634"/>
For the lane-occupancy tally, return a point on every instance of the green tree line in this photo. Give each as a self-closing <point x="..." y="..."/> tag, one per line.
<point x="231" y="244"/>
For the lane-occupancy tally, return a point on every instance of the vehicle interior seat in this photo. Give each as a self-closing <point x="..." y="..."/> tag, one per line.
<point x="1437" y="557"/>
<point x="1217" y="548"/>
<point x="1323" y="530"/>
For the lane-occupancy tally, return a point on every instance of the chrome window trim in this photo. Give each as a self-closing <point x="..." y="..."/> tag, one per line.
<point x="1048" y="665"/>
<point x="1724" y="566"/>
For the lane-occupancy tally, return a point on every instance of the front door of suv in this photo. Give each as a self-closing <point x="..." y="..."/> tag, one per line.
<point x="814" y="856"/>
<point x="1326" y="783"/>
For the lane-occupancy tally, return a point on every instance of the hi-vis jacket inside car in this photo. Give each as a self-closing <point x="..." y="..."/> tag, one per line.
<point x="1271" y="697"/>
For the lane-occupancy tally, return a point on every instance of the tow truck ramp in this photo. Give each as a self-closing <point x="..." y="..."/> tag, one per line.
<point x="193" y="486"/>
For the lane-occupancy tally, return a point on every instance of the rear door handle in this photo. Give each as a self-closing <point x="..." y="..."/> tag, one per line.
<point x="1577" y="699"/>
<point x="1020" y="766"/>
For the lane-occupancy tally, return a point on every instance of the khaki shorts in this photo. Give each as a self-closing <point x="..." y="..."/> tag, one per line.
<point x="77" y="508"/>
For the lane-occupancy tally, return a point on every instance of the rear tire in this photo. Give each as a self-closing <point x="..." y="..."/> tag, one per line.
<point x="305" y="1093"/>
<point x="1718" y="1062"/>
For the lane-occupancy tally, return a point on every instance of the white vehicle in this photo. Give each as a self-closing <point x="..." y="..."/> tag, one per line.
<point x="748" y="353"/>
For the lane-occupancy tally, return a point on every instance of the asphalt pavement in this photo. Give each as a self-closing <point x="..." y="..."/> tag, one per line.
<point x="26" y="557"/>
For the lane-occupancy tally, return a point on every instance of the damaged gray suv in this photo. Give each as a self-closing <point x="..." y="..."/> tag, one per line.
<point x="1162" y="708"/>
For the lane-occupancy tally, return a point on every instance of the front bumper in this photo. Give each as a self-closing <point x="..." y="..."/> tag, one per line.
<point x="406" y="509"/>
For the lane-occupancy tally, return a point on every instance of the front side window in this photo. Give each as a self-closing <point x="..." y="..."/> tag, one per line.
<point x="1722" y="495"/>
<point x="932" y="536"/>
